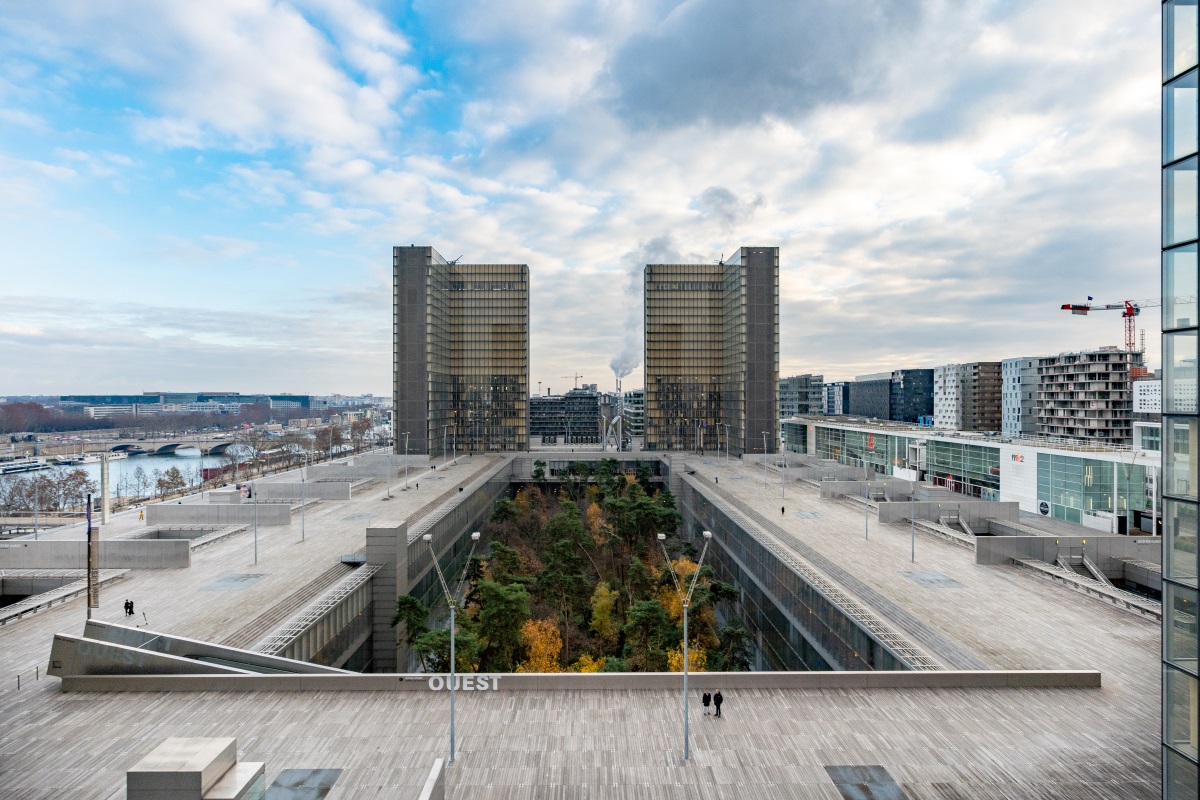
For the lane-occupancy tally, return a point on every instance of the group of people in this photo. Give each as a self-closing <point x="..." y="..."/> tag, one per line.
<point x="129" y="608"/>
<point x="715" y="700"/>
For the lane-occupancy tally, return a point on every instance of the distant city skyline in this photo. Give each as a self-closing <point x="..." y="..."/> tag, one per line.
<point x="208" y="195"/>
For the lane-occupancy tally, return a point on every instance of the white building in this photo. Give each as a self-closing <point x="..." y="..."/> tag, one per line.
<point x="947" y="397"/>
<point x="1147" y="397"/>
<point x="1019" y="397"/>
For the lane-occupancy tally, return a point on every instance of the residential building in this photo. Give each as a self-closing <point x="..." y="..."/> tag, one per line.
<point x="1180" y="420"/>
<point x="801" y="394"/>
<point x="837" y="398"/>
<point x="1147" y="397"/>
<point x="460" y="352"/>
<point x="1019" y="399"/>
<point x="871" y="396"/>
<point x="947" y="400"/>
<point x="911" y="394"/>
<point x="1089" y="395"/>
<point x="967" y="397"/>
<point x="712" y="351"/>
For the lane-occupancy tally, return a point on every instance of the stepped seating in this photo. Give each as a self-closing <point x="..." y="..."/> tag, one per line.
<point x="195" y="769"/>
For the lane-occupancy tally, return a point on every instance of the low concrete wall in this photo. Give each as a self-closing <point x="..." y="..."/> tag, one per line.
<point x="311" y="490"/>
<point x="836" y="472"/>
<point x="217" y="514"/>
<point x="1101" y="549"/>
<point x="435" y="784"/>
<point x="973" y="512"/>
<point x="225" y="496"/>
<point x="596" y="681"/>
<point x="114" y="554"/>
<point x="857" y="488"/>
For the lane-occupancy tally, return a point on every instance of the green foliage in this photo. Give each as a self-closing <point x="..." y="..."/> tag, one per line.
<point x="433" y="648"/>
<point x="503" y="609"/>
<point x="504" y="511"/>
<point x="648" y="635"/>
<point x="504" y="563"/>
<point x="413" y="614"/>
<point x="733" y="654"/>
<point x="539" y="470"/>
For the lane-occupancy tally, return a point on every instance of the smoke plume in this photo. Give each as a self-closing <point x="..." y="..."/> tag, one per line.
<point x="659" y="250"/>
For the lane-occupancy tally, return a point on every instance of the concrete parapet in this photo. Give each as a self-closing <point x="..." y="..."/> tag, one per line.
<point x="311" y="490"/>
<point x="975" y="513"/>
<point x="217" y="514"/>
<point x="1108" y="551"/>
<point x="595" y="681"/>
<point x="114" y="554"/>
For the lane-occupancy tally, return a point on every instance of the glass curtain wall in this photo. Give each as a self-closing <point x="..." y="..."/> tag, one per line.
<point x="1180" y="226"/>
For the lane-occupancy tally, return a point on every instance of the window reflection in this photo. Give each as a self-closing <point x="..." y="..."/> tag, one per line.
<point x="1179" y="373"/>
<point x="1179" y="460"/>
<point x="1179" y="37"/>
<point x="1180" y="551"/>
<point x="1179" y="202"/>
<point x="1179" y="118"/>
<point x="1179" y="287"/>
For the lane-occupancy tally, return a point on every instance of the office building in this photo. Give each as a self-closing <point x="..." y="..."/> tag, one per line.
<point x="712" y="353"/>
<point x="947" y="401"/>
<point x="1019" y="396"/>
<point x="801" y="394"/>
<point x="573" y="418"/>
<point x="911" y="394"/>
<point x="1180" y="421"/>
<point x="460" y="353"/>
<point x="1089" y="395"/>
<point x="635" y="412"/>
<point x="871" y="396"/>
<point x="837" y="398"/>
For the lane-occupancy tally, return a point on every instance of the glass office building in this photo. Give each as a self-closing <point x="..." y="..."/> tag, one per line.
<point x="460" y="354"/>
<point x="1180" y="225"/>
<point x="712" y="353"/>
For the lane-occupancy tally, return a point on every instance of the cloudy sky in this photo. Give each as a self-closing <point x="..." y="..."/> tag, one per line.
<point x="204" y="195"/>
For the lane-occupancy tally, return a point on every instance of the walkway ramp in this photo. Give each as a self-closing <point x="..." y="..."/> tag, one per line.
<point x="1089" y="585"/>
<point x="106" y="648"/>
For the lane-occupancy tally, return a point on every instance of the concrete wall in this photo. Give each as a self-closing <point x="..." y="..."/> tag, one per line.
<point x="880" y="487"/>
<point x="1102" y="549"/>
<point x="114" y="554"/>
<point x="217" y="514"/>
<point x="599" y="681"/>
<point x="314" y="490"/>
<point x="387" y="546"/>
<point x="973" y="512"/>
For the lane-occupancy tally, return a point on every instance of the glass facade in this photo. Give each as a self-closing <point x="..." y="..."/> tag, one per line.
<point x="712" y="353"/>
<point x="1180" y="226"/>
<point x="460" y="353"/>
<point x="967" y="468"/>
<point x="859" y="448"/>
<point x="1075" y="486"/>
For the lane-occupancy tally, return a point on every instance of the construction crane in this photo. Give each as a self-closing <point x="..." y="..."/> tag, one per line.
<point x="574" y="378"/>
<point x="1129" y="310"/>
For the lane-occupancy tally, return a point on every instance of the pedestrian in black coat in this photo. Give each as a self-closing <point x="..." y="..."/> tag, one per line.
<point x="717" y="700"/>
<point x="706" y="699"/>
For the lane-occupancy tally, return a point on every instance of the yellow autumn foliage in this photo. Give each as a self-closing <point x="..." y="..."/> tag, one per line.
<point x="588" y="664"/>
<point x="697" y="659"/>
<point x="604" y="604"/>
<point x="543" y="641"/>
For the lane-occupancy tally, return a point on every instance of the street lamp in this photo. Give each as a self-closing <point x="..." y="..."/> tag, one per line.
<point x="406" y="461"/>
<point x="686" y="600"/>
<point x="764" y="462"/>
<point x="450" y="601"/>
<point x="444" y="429"/>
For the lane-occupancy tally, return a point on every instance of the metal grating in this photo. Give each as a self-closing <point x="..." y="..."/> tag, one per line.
<point x="898" y="644"/>
<point x="296" y="626"/>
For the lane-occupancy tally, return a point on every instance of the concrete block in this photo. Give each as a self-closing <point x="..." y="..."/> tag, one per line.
<point x="183" y="767"/>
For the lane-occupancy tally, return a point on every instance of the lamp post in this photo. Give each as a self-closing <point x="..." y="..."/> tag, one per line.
<point x="453" y="603"/>
<point x="912" y="520"/>
<point x="389" y="470"/>
<point x="764" y="433"/>
<point x="254" y="496"/>
<point x="406" y="461"/>
<point x="686" y="600"/>
<point x="867" y="512"/>
<point x="444" y="429"/>
<point x="302" y="499"/>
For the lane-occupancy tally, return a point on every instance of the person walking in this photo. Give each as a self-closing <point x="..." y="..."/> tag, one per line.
<point x="783" y="510"/>
<point x="130" y="607"/>
<point x="717" y="700"/>
<point x="706" y="699"/>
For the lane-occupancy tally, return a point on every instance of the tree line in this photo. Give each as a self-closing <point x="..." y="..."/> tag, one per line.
<point x="575" y="580"/>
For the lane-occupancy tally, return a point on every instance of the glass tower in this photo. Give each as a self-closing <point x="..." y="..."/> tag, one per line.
<point x="461" y="354"/>
<point x="712" y="353"/>
<point x="1180" y="225"/>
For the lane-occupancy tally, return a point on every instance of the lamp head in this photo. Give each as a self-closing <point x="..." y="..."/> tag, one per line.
<point x="427" y="537"/>
<point x="662" y="537"/>
<point x="708" y="534"/>
<point x="475" y="536"/>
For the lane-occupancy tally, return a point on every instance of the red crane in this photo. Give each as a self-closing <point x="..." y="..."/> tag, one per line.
<point x="1129" y="310"/>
